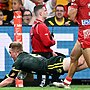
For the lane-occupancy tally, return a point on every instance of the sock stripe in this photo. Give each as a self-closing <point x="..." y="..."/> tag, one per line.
<point x="67" y="81"/>
<point x="69" y="78"/>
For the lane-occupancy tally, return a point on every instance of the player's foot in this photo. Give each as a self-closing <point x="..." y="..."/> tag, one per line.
<point x="61" y="85"/>
<point x="57" y="84"/>
<point x="67" y="86"/>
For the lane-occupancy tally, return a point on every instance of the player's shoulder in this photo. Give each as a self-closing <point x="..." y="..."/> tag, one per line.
<point x="39" y="24"/>
<point x="22" y="54"/>
<point x="42" y="25"/>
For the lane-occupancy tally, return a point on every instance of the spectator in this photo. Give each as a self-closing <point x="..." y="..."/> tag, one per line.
<point x="10" y="5"/>
<point x="82" y="45"/>
<point x="27" y="15"/>
<point x="16" y="6"/>
<point x="3" y="4"/>
<point x="2" y="22"/>
<point x="65" y="4"/>
<point x="4" y="7"/>
<point x="7" y="15"/>
<point x="41" y="39"/>
<point x="50" y="5"/>
<point x="62" y="2"/>
<point x="59" y="19"/>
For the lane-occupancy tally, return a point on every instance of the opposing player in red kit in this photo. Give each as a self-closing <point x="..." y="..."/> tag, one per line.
<point x="82" y="46"/>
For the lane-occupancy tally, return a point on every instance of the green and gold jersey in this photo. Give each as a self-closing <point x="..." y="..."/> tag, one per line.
<point x="28" y="63"/>
<point x="32" y="62"/>
<point x="53" y="22"/>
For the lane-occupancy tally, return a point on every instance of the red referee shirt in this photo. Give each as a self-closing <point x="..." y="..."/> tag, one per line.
<point x="40" y="37"/>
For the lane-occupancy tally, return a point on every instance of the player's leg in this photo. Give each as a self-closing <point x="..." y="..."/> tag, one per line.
<point x="86" y="54"/>
<point x="75" y="54"/>
<point x="66" y="63"/>
<point x="81" y="63"/>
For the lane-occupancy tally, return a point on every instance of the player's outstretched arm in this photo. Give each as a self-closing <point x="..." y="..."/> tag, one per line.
<point x="6" y="81"/>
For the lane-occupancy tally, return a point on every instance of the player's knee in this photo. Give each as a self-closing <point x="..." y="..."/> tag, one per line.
<point x="73" y="59"/>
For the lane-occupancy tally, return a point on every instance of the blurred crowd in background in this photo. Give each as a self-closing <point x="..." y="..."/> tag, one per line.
<point x="7" y="7"/>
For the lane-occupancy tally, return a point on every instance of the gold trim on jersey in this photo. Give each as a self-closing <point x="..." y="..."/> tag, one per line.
<point x="15" y="69"/>
<point x="56" y="65"/>
<point x="51" y="23"/>
<point x="60" y="22"/>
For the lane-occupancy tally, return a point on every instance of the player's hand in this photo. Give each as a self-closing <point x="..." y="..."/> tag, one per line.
<point x="54" y="54"/>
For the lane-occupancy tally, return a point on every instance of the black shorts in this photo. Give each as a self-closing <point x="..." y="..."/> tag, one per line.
<point x="55" y="65"/>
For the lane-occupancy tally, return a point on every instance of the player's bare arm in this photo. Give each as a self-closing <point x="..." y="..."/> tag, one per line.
<point x="6" y="82"/>
<point x="72" y="12"/>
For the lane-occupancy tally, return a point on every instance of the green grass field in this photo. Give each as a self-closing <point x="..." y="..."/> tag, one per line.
<point x="73" y="87"/>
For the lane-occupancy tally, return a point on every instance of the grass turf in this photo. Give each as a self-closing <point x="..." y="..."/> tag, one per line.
<point x="73" y="87"/>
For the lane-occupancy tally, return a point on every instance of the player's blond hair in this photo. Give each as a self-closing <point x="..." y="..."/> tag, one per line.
<point x="16" y="46"/>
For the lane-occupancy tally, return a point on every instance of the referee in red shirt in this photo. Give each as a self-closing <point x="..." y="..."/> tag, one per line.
<point x="41" y="38"/>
